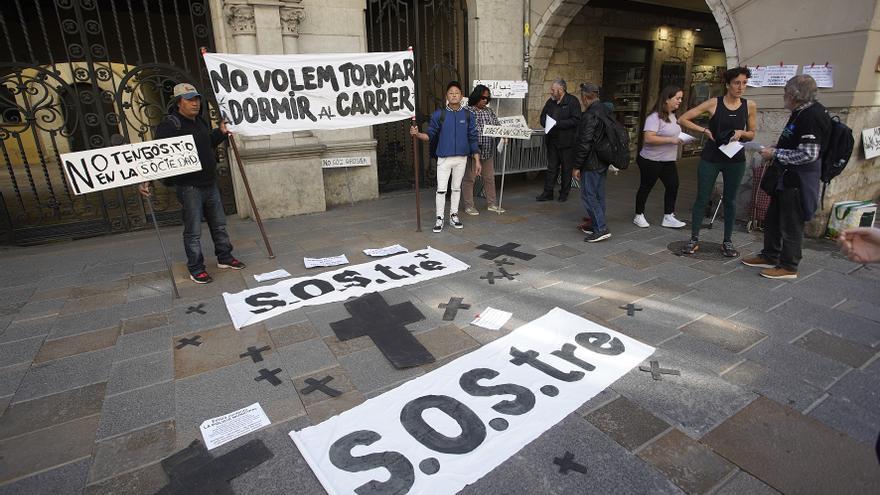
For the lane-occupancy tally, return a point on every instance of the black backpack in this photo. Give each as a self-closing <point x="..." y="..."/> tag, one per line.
<point x="613" y="146"/>
<point x="432" y="144"/>
<point x="837" y="152"/>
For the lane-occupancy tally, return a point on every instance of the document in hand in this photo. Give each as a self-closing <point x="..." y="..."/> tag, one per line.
<point x="686" y="138"/>
<point x="732" y="148"/>
<point x="551" y="123"/>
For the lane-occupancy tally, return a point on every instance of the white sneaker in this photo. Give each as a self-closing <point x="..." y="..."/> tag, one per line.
<point x="455" y="221"/>
<point x="496" y="209"/>
<point x="438" y="225"/>
<point x="470" y="210"/>
<point x="672" y="222"/>
<point x="640" y="221"/>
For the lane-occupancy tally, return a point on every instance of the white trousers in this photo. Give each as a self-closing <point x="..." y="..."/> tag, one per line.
<point x="449" y="166"/>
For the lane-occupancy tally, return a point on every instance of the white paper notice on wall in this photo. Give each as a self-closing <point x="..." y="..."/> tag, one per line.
<point x="226" y="428"/>
<point x="823" y="74"/>
<point x="348" y="161"/>
<point x="871" y="142"/>
<point x="778" y="75"/>
<point x="759" y="74"/>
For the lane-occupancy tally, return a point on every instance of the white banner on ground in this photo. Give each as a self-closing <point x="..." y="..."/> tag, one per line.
<point x="268" y="94"/>
<point x="505" y="89"/>
<point x="115" y="166"/>
<point x="255" y="305"/>
<point x="448" y="428"/>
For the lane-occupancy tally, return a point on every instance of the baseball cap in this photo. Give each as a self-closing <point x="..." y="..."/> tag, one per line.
<point x="589" y="87"/>
<point x="186" y="91"/>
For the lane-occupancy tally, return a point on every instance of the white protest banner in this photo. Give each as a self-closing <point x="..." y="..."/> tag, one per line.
<point x="446" y="429"/>
<point x="506" y="132"/>
<point x="823" y="74"/>
<point x="517" y="121"/>
<point x="226" y="428"/>
<point x="344" y="162"/>
<point x="778" y="75"/>
<point x="505" y="89"/>
<point x="268" y="94"/>
<point x="261" y="303"/>
<point x="871" y="142"/>
<point x="115" y="166"/>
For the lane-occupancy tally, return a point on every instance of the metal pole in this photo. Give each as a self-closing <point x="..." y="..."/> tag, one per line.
<point x="416" y="168"/>
<point x="162" y="245"/>
<point x="247" y="188"/>
<point x="503" y="170"/>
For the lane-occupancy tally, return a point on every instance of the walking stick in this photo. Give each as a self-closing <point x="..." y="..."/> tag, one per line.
<point x="162" y="245"/>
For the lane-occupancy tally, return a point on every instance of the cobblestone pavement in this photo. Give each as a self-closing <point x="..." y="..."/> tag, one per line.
<point x="779" y="388"/>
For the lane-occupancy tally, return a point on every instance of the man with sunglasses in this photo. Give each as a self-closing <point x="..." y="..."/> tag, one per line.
<point x="565" y="109"/>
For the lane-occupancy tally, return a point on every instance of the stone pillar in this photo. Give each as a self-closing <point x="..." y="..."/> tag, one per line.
<point x="243" y="27"/>
<point x="291" y="17"/>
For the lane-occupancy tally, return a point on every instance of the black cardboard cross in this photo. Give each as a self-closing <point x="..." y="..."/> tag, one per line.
<point x="503" y="261"/>
<point x="197" y="309"/>
<point x="193" y="470"/>
<point x="452" y="307"/>
<point x="185" y="342"/>
<point x="630" y="309"/>
<point x="269" y="376"/>
<point x="508" y="249"/>
<point x="385" y="325"/>
<point x="508" y="276"/>
<point x="490" y="276"/>
<point x="254" y="353"/>
<point x="320" y="385"/>
<point x="566" y="463"/>
<point x="656" y="371"/>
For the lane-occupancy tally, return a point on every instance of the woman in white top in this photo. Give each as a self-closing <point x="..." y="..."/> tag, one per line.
<point x="657" y="158"/>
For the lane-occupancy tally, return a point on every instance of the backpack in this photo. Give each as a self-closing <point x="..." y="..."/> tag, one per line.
<point x="837" y="152"/>
<point x="435" y="141"/>
<point x="613" y="147"/>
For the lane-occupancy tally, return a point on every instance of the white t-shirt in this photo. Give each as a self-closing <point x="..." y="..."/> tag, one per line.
<point x="661" y="152"/>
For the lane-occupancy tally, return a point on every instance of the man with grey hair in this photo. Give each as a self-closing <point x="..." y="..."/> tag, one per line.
<point x="565" y="109"/>
<point x="792" y="180"/>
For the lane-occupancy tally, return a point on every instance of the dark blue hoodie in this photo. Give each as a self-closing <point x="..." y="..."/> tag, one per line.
<point x="459" y="134"/>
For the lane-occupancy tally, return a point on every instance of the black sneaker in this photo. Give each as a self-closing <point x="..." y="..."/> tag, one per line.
<point x="563" y="198"/>
<point x="545" y="196"/>
<point x="438" y="225"/>
<point x="201" y="278"/>
<point x="728" y="250"/>
<point x="234" y="264"/>
<point x="598" y="236"/>
<point x="455" y="221"/>
<point x="691" y="247"/>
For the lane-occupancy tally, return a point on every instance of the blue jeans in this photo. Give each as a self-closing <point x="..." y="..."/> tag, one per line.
<point x="196" y="202"/>
<point x="593" y="196"/>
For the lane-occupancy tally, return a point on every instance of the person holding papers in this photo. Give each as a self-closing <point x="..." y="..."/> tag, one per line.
<point x="732" y="120"/>
<point x="455" y="133"/>
<point x="478" y="103"/>
<point x="658" y="155"/>
<point x="792" y="181"/>
<point x="560" y="118"/>
<point x="197" y="192"/>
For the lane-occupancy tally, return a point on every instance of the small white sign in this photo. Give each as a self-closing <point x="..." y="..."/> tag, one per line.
<point x="732" y="148"/>
<point x="386" y="251"/>
<point x="226" y="428"/>
<point x="506" y="132"/>
<point x="871" y="142"/>
<point x="517" y="121"/>
<point x="778" y="75"/>
<point x="329" y="261"/>
<point x="262" y="277"/>
<point x="759" y="75"/>
<point x="505" y="89"/>
<point x="491" y="318"/>
<point x="823" y="74"/>
<point x="347" y="161"/>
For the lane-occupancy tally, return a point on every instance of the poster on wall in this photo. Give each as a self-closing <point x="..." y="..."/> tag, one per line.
<point x="450" y="427"/>
<point x="759" y="75"/>
<point x="269" y="94"/>
<point x="778" y="75"/>
<point x="823" y="74"/>
<point x="871" y="142"/>
<point x="505" y="89"/>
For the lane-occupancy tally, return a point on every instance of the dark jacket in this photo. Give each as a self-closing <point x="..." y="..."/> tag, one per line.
<point x="811" y="125"/>
<point x="205" y="139"/>
<point x="567" y="115"/>
<point x="588" y="132"/>
<point x="458" y="137"/>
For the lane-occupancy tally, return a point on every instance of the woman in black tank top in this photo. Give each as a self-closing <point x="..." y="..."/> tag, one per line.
<point x="732" y="119"/>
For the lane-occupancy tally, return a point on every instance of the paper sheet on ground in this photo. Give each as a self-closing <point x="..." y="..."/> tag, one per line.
<point x="492" y="318"/>
<point x="732" y="148"/>
<point x="262" y="277"/>
<point x="685" y="137"/>
<point x="551" y="123"/>
<point x="329" y="261"/>
<point x="385" y="251"/>
<point x="461" y="420"/>
<point x="222" y="429"/>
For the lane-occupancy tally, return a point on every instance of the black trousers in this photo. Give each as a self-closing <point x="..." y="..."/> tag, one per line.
<point x="784" y="229"/>
<point x="649" y="172"/>
<point x="559" y="159"/>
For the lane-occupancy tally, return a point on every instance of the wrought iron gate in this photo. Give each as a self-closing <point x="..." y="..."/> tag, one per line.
<point x="437" y="31"/>
<point x="84" y="74"/>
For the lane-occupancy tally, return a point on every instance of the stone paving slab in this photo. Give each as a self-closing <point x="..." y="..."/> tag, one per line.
<point x="369" y="371"/>
<point x="703" y="353"/>
<point x="125" y="452"/>
<point x="28" y="416"/>
<point x="687" y="463"/>
<point x="793" y="360"/>
<point x="610" y="467"/>
<point x="47" y="448"/>
<point x="20" y="351"/>
<point x="185" y="320"/>
<point x="65" y="374"/>
<point x="77" y="344"/>
<point x="340" y="383"/>
<point x="841" y="414"/>
<point x="828" y="289"/>
<point x="695" y="402"/>
<point x="136" y="408"/>
<point x="785" y="388"/>
<point x="724" y="333"/>
<point x="861" y="387"/>
<point x="10" y="378"/>
<point x="839" y="323"/>
<point x="219" y="347"/>
<point x="68" y="479"/>
<point x="141" y="371"/>
<point x="744" y="483"/>
<point x="836" y="348"/>
<point x="627" y="423"/>
<point x="860" y="308"/>
<point x="793" y="453"/>
<point x="142" y="343"/>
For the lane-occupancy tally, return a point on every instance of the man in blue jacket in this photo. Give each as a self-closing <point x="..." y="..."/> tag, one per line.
<point x="455" y="132"/>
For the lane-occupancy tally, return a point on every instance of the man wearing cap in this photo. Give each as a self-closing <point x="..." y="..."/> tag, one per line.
<point x="197" y="191"/>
